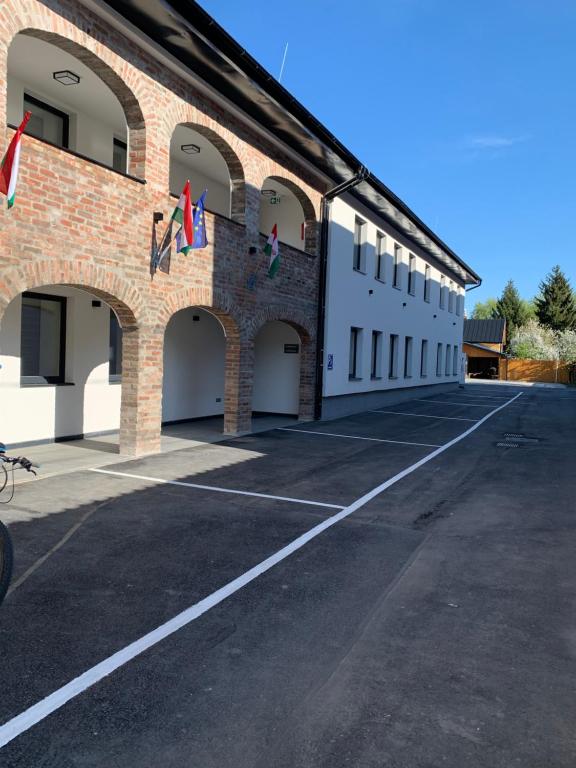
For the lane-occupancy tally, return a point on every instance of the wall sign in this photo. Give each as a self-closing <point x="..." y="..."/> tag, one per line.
<point x="291" y="349"/>
<point x="330" y="362"/>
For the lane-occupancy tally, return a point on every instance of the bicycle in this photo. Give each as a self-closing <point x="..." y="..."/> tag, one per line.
<point x="7" y="466"/>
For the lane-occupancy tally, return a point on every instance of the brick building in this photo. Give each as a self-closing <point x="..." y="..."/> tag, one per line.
<point x="129" y="99"/>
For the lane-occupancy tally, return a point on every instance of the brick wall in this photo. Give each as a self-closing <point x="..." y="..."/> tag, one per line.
<point x="80" y="224"/>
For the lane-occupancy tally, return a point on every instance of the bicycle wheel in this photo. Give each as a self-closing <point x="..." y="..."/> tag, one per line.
<point x="3" y="476"/>
<point x="5" y="560"/>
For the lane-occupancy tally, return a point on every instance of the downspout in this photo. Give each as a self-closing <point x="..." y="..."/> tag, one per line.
<point x="361" y="174"/>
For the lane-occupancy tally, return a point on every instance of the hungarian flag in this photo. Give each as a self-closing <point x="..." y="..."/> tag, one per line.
<point x="271" y="250"/>
<point x="10" y="163"/>
<point x="183" y="215"/>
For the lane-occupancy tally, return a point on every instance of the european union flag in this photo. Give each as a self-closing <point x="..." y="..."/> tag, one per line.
<point x="199" y="223"/>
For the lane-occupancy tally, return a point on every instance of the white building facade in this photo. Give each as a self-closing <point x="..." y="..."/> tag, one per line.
<point x="394" y="314"/>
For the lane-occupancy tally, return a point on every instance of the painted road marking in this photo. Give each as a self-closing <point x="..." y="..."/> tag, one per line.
<point x="217" y="489"/>
<point x="425" y="415"/>
<point x="447" y="402"/>
<point x="42" y="709"/>
<point x="355" y="437"/>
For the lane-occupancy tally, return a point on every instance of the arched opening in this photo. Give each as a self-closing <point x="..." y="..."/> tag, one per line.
<point x="77" y="101"/>
<point x="61" y="357"/>
<point x="194" y="371"/>
<point x="202" y="156"/>
<point x="277" y="357"/>
<point x="283" y="203"/>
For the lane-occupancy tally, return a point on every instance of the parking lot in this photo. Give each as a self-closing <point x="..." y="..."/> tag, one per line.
<point x="394" y="588"/>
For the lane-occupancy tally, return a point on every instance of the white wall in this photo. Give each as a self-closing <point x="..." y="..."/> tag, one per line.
<point x="386" y="309"/>
<point x="218" y="197"/>
<point x="287" y="214"/>
<point x="88" y="135"/>
<point x="194" y="366"/>
<point x="92" y="404"/>
<point x="276" y="373"/>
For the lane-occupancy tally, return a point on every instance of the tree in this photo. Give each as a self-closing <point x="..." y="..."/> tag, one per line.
<point x="555" y="307"/>
<point x="484" y="310"/>
<point x="512" y="308"/>
<point x="534" y="342"/>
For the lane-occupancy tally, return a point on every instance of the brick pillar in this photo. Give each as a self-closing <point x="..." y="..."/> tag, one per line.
<point x="238" y="386"/>
<point x="307" y="379"/>
<point x="141" y="409"/>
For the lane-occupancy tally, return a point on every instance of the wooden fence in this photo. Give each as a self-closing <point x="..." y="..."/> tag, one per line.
<point x="550" y="371"/>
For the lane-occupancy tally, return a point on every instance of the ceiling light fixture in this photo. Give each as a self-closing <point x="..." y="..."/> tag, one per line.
<point x="66" y="77"/>
<point x="190" y="149"/>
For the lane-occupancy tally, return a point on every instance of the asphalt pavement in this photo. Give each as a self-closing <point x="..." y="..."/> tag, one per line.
<point x="308" y="621"/>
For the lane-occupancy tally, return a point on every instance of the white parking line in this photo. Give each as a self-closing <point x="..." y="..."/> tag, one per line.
<point x="448" y="402"/>
<point x="355" y="437"/>
<point x="218" y="490"/>
<point x="42" y="709"/>
<point x="424" y="415"/>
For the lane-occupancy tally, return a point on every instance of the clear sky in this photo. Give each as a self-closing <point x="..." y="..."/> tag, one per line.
<point x="465" y="108"/>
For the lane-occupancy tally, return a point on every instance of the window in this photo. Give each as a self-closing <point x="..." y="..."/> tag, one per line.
<point x="120" y="156"/>
<point x="439" y="360"/>
<point x="451" y="297"/>
<point x="115" y="370"/>
<point x="47" y="122"/>
<point x="442" y="292"/>
<point x="42" y="339"/>
<point x="424" y="359"/>
<point x="393" y="358"/>
<point x="359" y="229"/>
<point x="355" y="352"/>
<point x="448" y="359"/>
<point x="397" y="263"/>
<point x="408" y="357"/>
<point x="455" y="362"/>
<point x="427" y="281"/>
<point x="412" y="274"/>
<point x="458" y="304"/>
<point x="380" y="256"/>
<point x="376" y="363"/>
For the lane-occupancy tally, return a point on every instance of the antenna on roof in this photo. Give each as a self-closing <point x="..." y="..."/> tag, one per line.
<point x="283" y="62"/>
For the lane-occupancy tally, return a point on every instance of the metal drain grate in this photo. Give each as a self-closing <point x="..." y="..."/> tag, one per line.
<point x="507" y="445"/>
<point x="518" y="438"/>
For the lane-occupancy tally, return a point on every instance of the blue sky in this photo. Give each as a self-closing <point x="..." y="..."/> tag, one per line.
<point x="467" y="110"/>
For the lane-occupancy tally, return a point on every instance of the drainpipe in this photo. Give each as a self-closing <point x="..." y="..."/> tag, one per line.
<point x="361" y="174"/>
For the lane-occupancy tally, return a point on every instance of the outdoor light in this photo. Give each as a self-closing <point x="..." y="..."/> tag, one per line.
<point x="66" y="77"/>
<point x="190" y="149"/>
<point x="268" y="192"/>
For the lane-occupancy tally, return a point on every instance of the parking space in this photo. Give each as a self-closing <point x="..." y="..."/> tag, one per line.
<point x="253" y="573"/>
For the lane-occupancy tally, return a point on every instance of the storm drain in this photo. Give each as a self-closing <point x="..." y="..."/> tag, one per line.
<point x="516" y="440"/>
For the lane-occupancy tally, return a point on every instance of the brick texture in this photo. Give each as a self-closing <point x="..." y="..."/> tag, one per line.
<point x="78" y="223"/>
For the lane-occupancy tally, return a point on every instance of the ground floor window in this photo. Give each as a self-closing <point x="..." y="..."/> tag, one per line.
<point x="439" y="360"/>
<point x="355" y="352"/>
<point x="408" y="357"/>
<point x="448" y="359"/>
<point x="424" y="358"/>
<point x="115" y="347"/>
<point x="42" y="339"/>
<point x="455" y="365"/>
<point x="393" y="358"/>
<point x="375" y="370"/>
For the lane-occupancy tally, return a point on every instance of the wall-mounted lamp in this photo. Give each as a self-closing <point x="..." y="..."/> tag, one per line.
<point x="158" y="217"/>
<point x="252" y="250"/>
<point x="66" y="77"/>
<point x="268" y="192"/>
<point x="190" y="149"/>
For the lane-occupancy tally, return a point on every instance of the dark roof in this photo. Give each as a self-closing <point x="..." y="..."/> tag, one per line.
<point x="189" y="34"/>
<point x="485" y="349"/>
<point x="487" y="331"/>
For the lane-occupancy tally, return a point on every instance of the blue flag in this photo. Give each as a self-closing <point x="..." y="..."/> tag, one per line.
<point x="199" y="224"/>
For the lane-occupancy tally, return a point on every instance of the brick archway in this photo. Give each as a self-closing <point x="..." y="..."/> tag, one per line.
<point x="234" y="165"/>
<point x="237" y="360"/>
<point x="127" y="99"/>
<point x="310" y="220"/>
<point x="142" y="349"/>
<point x="303" y="327"/>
